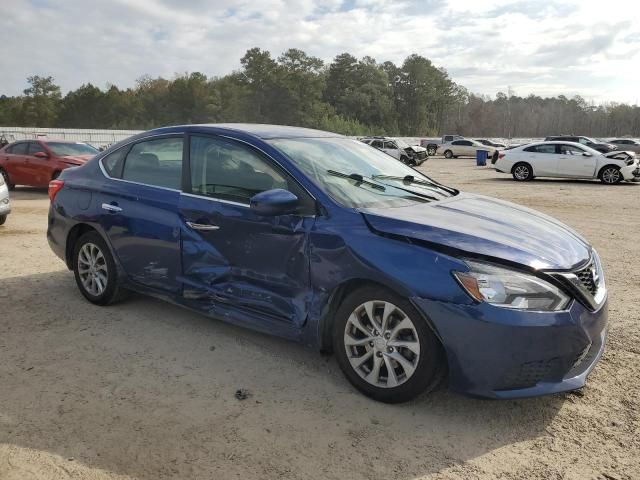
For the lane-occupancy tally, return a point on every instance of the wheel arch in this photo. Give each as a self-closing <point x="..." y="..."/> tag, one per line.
<point x="607" y="165"/>
<point x="340" y="292"/>
<point x="72" y="237"/>
<point x="523" y="162"/>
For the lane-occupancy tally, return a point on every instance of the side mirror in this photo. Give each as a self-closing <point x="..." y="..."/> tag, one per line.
<point x="274" y="202"/>
<point x="586" y="154"/>
<point x="41" y="155"/>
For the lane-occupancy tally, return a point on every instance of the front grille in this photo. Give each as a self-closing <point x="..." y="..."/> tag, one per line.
<point x="528" y="374"/>
<point x="587" y="278"/>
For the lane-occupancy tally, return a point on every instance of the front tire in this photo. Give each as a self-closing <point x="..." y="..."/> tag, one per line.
<point x="95" y="270"/>
<point x="522" y="172"/>
<point x="384" y="346"/>
<point x="431" y="151"/>
<point x="610" y="175"/>
<point x="3" y="218"/>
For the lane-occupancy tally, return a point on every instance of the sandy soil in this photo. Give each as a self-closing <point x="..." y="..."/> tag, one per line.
<point x="145" y="390"/>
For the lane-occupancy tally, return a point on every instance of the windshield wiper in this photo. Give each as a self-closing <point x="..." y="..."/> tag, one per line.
<point x="358" y="178"/>
<point x="417" y="181"/>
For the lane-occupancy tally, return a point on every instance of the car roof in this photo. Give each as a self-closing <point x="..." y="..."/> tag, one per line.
<point x="264" y="131"/>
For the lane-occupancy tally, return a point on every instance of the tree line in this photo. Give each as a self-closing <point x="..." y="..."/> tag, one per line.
<point x="349" y="95"/>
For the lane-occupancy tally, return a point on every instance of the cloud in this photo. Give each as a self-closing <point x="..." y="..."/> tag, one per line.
<point x="582" y="47"/>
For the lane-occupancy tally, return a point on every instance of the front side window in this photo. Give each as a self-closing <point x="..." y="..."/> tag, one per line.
<point x="390" y="146"/>
<point x="570" y="150"/>
<point x="155" y="162"/>
<point x="230" y="171"/>
<point x="377" y="143"/>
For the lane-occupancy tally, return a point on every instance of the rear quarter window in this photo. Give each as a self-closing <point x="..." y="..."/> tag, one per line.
<point x="114" y="162"/>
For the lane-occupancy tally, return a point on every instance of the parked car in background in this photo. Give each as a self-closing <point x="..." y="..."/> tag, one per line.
<point x="432" y="144"/>
<point x="399" y="149"/>
<point x="36" y="162"/>
<point x="602" y="147"/>
<point x="319" y="238"/>
<point x="490" y="143"/>
<point x="566" y="160"/>
<point x="628" y="144"/>
<point x="466" y="148"/>
<point x="5" y="202"/>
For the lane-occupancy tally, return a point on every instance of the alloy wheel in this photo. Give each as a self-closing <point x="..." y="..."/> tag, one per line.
<point x="92" y="269"/>
<point x="611" y="175"/>
<point x="521" y="172"/>
<point x="382" y="344"/>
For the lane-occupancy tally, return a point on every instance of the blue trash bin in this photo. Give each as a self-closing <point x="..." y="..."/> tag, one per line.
<point x="481" y="158"/>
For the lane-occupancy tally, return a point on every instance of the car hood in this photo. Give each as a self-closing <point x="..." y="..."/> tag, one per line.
<point x="417" y="148"/>
<point x="76" y="159"/>
<point x="485" y="226"/>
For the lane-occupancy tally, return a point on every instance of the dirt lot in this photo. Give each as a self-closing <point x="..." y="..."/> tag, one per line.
<point x="145" y="390"/>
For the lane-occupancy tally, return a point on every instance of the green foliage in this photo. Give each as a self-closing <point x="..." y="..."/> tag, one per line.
<point x="350" y="96"/>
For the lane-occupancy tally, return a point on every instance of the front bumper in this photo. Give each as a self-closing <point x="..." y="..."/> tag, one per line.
<point x="630" y="172"/>
<point x="500" y="353"/>
<point x="5" y="206"/>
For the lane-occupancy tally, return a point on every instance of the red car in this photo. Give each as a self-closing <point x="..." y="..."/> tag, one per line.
<point x="37" y="162"/>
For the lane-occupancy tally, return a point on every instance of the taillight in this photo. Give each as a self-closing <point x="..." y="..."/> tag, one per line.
<point x="501" y="155"/>
<point x="54" y="187"/>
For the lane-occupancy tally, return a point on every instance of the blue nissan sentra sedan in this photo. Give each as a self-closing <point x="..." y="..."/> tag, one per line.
<point x="322" y="239"/>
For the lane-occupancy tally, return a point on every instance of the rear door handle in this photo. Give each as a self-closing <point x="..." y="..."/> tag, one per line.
<point x="111" y="208"/>
<point x="201" y="226"/>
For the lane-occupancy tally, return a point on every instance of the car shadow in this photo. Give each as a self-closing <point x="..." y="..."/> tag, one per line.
<point x="148" y="389"/>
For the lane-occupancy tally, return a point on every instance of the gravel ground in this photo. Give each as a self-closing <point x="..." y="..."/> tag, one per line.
<point x="146" y="390"/>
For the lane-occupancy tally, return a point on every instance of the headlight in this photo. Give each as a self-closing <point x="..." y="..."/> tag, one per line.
<point x="508" y="288"/>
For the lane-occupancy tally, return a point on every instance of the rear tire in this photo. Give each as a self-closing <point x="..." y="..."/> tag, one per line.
<point x="448" y="154"/>
<point x="610" y="175"/>
<point x="3" y="218"/>
<point x="431" y="150"/>
<point x="95" y="270"/>
<point x="393" y="358"/>
<point x="522" y="172"/>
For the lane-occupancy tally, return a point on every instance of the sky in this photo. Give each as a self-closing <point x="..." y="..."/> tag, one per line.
<point x="572" y="47"/>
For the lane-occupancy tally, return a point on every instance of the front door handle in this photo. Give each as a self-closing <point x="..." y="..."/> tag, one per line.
<point x="202" y="226"/>
<point x="111" y="208"/>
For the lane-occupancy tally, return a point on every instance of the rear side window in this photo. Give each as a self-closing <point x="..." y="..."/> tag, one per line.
<point x="155" y="162"/>
<point x="377" y="143"/>
<point x="230" y="171"/>
<point x="18" y="149"/>
<point x="541" y="149"/>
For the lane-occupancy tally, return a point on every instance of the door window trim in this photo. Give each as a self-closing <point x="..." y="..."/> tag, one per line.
<point x="130" y="145"/>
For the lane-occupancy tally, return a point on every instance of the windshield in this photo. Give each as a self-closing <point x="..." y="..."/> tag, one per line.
<point x="71" y="149"/>
<point x="321" y="159"/>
